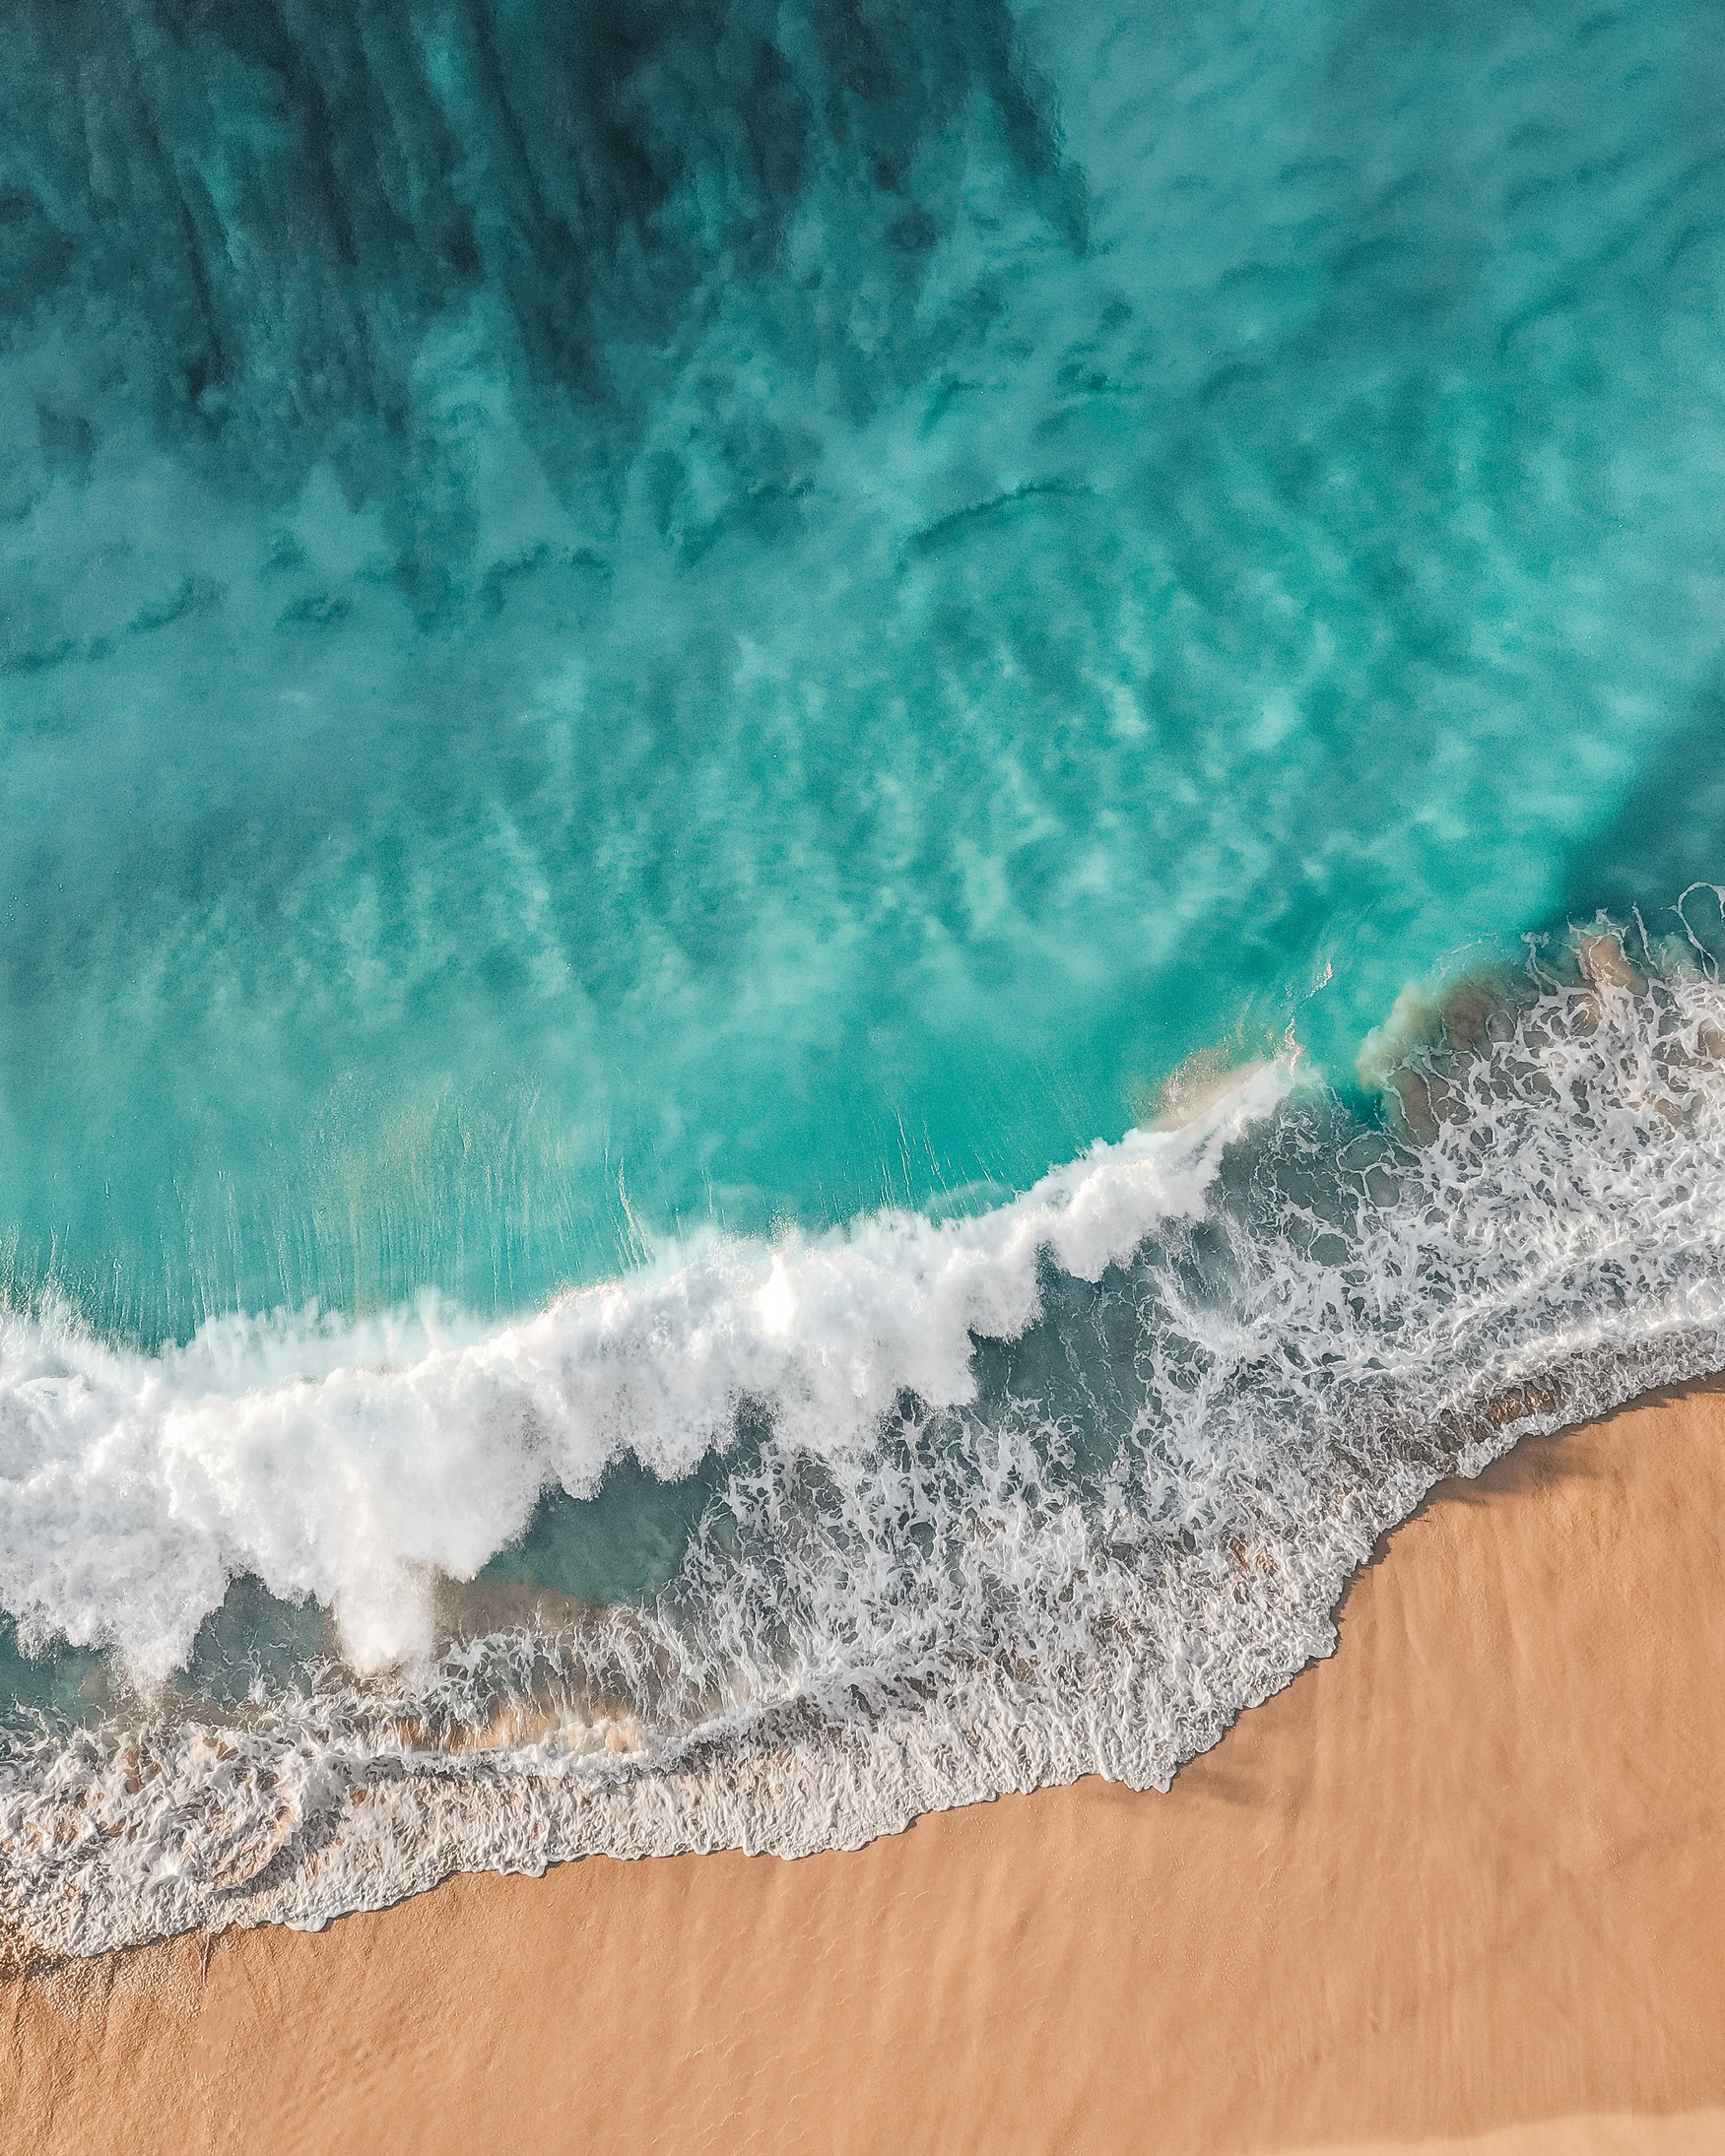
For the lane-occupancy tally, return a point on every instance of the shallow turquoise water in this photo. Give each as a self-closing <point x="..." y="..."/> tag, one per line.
<point x="617" y="617"/>
<point x="629" y="634"/>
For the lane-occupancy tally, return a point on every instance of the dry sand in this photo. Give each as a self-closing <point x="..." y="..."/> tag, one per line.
<point x="1461" y="1887"/>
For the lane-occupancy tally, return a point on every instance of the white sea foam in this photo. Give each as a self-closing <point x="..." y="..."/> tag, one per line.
<point x="1052" y="1491"/>
<point x="350" y="1463"/>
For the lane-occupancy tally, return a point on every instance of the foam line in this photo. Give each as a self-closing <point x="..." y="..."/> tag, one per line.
<point x="349" y="1462"/>
<point x="1085" y="1550"/>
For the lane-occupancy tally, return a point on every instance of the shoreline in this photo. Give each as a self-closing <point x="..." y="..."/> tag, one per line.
<point x="1309" y="1335"/>
<point x="1457" y="1880"/>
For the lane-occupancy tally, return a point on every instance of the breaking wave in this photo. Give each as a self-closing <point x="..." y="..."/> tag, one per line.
<point x="991" y="1502"/>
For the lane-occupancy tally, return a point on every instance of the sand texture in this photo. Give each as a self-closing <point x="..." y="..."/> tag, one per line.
<point x="1460" y="1887"/>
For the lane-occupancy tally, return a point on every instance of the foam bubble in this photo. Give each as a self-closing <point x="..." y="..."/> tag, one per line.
<point x="348" y="1463"/>
<point x="1054" y="1491"/>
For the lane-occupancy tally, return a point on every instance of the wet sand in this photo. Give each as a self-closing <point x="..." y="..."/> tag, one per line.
<point x="1461" y="1886"/>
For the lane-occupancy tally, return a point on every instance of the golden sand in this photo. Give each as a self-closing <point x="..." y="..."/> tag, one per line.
<point x="1461" y="1887"/>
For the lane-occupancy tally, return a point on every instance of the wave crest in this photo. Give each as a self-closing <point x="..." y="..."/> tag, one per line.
<point x="1056" y="1490"/>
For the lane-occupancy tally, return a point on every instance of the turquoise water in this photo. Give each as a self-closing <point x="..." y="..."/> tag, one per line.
<point x="677" y="650"/>
<point x="728" y="613"/>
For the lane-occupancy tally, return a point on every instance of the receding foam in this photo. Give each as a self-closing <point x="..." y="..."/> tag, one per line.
<point x="1053" y="1490"/>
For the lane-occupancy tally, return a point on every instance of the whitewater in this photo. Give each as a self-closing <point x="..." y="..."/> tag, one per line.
<point x="853" y="857"/>
<point x="1055" y="1489"/>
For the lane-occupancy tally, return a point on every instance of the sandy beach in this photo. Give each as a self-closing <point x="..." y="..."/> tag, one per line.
<point x="1458" y="1887"/>
<point x="854" y="855"/>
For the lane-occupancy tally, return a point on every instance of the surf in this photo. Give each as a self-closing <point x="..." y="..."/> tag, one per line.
<point x="1095" y="1490"/>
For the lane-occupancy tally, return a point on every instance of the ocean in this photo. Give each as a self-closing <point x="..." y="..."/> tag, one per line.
<point x="852" y="860"/>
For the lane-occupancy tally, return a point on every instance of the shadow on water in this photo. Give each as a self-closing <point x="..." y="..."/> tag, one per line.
<point x="69" y="1684"/>
<point x="619" y="1546"/>
<point x="621" y="1543"/>
<point x="1670" y="832"/>
<point x="255" y="1637"/>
